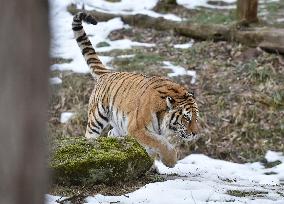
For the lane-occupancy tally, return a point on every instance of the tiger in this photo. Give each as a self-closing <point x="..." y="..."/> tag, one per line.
<point x="146" y="108"/>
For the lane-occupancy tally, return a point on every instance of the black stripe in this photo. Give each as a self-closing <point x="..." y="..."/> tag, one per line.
<point x="114" y="97"/>
<point x="172" y="117"/>
<point x="102" y="116"/>
<point x="111" y="79"/>
<point x="147" y="128"/>
<point x="123" y="116"/>
<point x="110" y="85"/>
<point x="94" y="130"/>
<point x="121" y="124"/>
<point x="88" y="43"/>
<point x="99" y="67"/>
<point x="94" y="125"/>
<point x="116" y="115"/>
<point x="107" y="85"/>
<point x="129" y="88"/>
<point x="93" y="52"/>
<point x="104" y="109"/>
<point x="143" y="79"/>
<point x="149" y="84"/>
<point x="172" y="89"/>
<point x="82" y="37"/>
<point x="77" y="28"/>
<point x="93" y="60"/>
<point x="77" y="20"/>
<point x="158" y="116"/>
<point x="163" y="84"/>
<point x="162" y="92"/>
<point x="99" y="123"/>
<point x="87" y="49"/>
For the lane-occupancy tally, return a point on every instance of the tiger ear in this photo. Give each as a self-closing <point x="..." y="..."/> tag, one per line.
<point x="170" y="101"/>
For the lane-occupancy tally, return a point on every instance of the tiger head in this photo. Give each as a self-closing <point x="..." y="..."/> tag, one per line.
<point x="181" y="118"/>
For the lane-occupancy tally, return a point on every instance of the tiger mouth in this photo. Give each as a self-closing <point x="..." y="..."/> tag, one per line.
<point x="189" y="137"/>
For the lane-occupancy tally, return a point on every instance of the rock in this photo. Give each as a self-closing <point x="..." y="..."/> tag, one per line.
<point x="103" y="44"/>
<point x="103" y="160"/>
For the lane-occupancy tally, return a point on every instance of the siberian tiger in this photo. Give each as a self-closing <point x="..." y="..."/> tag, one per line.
<point x="147" y="108"/>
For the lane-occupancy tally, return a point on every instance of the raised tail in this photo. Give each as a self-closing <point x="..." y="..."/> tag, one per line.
<point x="87" y="49"/>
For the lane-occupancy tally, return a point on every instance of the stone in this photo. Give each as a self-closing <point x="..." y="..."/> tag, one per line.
<point x="107" y="160"/>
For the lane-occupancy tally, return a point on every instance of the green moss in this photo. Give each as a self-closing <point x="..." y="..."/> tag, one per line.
<point x="102" y="44"/>
<point x="272" y="164"/>
<point x="104" y="160"/>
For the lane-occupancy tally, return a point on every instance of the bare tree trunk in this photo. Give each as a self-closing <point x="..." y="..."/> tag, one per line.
<point x="247" y="10"/>
<point x="23" y="101"/>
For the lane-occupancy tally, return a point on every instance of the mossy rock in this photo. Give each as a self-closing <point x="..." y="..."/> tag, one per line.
<point x="102" y="44"/>
<point x="104" y="160"/>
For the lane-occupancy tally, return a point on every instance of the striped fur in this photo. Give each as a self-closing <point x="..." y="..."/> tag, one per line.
<point x="148" y="108"/>
<point x="89" y="53"/>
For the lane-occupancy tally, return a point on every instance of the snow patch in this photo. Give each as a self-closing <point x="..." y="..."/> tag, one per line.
<point x="185" y="45"/>
<point x="179" y="71"/>
<point x="55" y="80"/>
<point x="65" y="116"/>
<point x="272" y="156"/>
<point x="280" y="20"/>
<point x="125" y="56"/>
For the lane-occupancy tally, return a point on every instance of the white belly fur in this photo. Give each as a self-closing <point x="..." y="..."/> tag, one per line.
<point x="119" y="124"/>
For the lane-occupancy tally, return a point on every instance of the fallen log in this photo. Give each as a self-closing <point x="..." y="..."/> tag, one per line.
<point x="269" y="39"/>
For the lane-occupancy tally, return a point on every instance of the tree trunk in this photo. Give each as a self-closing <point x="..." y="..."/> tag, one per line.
<point x="23" y="101"/>
<point x="247" y="10"/>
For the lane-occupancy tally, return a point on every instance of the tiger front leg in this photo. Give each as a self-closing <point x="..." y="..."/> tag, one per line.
<point x="165" y="150"/>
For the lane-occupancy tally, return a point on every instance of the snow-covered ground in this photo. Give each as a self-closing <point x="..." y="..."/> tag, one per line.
<point x="206" y="180"/>
<point x="199" y="179"/>
<point x="179" y="71"/>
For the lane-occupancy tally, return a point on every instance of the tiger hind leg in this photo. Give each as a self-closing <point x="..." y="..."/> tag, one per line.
<point x="97" y="121"/>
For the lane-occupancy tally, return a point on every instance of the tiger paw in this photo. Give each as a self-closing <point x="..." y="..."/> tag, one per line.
<point x="170" y="158"/>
